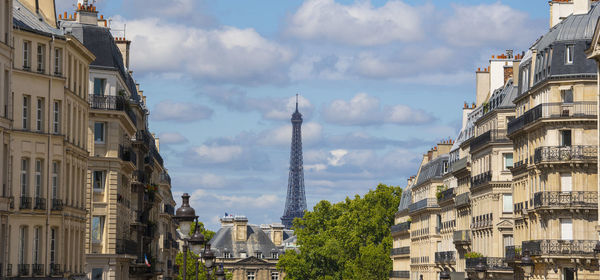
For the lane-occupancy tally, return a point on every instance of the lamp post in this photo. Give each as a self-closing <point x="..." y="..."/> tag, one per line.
<point x="527" y="264"/>
<point x="444" y="275"/>
<point x="185" y="215"/>
<point x="480" y="271"/>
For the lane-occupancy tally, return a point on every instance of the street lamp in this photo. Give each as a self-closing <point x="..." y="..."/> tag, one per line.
<point x="220" y="273"/>
<point x="527" y="264"/>
<point x="185" y="215"/>
<point x="196" y="242"/>
<point x="444" y="275"/>
<point x="480" y="270"/>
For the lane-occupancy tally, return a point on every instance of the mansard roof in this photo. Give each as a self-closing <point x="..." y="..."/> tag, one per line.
<point x="433" y="169"/>
<point x="256" y="241"/>
<point x="24" y="19"/>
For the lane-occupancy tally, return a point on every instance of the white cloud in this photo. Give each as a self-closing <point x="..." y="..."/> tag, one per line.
<point x="173" y="138"/>
<point x="179" y="111"/>
<point x="336" y="156"/>
<point x="364" y="110"/>
<point x="217" y="154"/>
<point x="223" y="54"/>
<point x="359" y="24"/>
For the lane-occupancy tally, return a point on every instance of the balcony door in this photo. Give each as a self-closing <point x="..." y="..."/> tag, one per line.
<point x="566" y="182"/>
<point x="566" y="229"/>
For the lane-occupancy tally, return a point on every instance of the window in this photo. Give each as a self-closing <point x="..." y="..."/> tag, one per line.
<point x="56" y="118"/>
<point x="568" y="274"/>
<point x="55" y="172"/>
<point x="97" y="273"/>
<point x="507" y="240"/>
<point x="26" y="55"/>
<point x="507" y="203"/>
<point x="566" y="229"/>
<point x="23" y="245"/>
<point x="38" y="178"/>
<point x="99" y="85"/>
<point x="98" y="177"/>
<point x="24" y="177"/>
<point x="251" y="275"/>
<point x="52" y="245"/>
<point x="565" y="138"/>
<point x="508" y="160"/>
<point x="25" y="112"/>
<point x="97" y="228"/>
<point x="39" y="115"/>
<point x="274" y="255"/>
<point x="274" y="275"/>
<point x="98" y="132"/>
<point x="57" y="61"/>
<point x="41" y="58"/>
<point x="566" y="184"/>
<point x="227" y="255"/>
<point x="36" y="245"/>
<point x="567" y="95"/>
<point x="259" y="255"/>
<point x="445" y="167"/>
<point x="243" y="255"/>
<point x="569" y="54"/>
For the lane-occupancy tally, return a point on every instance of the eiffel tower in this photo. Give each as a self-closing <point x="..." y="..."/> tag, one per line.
<point x="295" y="202"/>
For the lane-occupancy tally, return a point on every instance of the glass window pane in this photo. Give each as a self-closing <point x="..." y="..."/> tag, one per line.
<point x="99" y="132"/>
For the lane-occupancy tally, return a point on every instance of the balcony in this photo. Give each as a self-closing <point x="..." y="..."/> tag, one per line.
<point x="492" y="136"/>
<point x="423" y="204"/>
<point x="169" y="209"/>
<point x="446" y="195"/>
<point x="55" y="269"/>
<point x="554" y="247"/>
<point x="462" y="237"/>
<point x="23" y="269"/>
<point x="445" y="257"/>
<point x="37" y="269"/>
<point x="401" y="227"/>
<point x="57" y="204"/>
<point x="404" y="274"/>
<point x="482" y="221"/>
<point x="40" y="203"/>
<point x="481" y="179"/>
<point x="512" y="253"/>
<point x="462" y="200"/>
<point x="400" y="251"/>
<point x="165" y="178"/>
<point x="128" y="247"/>
<point x="25" y="202"/>
<point x="582" y="109"/>
<point x="127" y="154"/>
<point x="492" y="264"/>
<point x="108" y="102"/>
<point x="166" y="243"/>
<point x="566" y="153"/>
<point x="140" y="176"/>
<point x="565" y="200"/>
<point x="419" y="232"/>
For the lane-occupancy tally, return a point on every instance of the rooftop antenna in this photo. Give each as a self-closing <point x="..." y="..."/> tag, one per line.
<point x="296" y="102"/>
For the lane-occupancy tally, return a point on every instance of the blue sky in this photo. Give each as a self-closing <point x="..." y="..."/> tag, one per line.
<point x="380" y="83"/>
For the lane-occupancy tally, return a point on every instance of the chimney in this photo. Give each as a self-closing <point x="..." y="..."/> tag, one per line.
<point x="226" y="221"/>
<point x="123" y="45"/>
<point x="277" y="234"/>
<point x="86" y="13"/>
<point x="429" y="155"/>
<point x="515" y="66"/>
<point x="508" y="72"/>
<point x="240" y="230"/>
<point x="445" y="146"/>
<point x="581" y="7"/>
<point x="482" y="81"/>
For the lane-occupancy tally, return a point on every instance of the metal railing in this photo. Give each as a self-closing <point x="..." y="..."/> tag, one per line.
<point x="489" y="262"/>
<point x="512" y="253"/>
<point x="481" y="179"/>
<point x="55" y="269"/>
<point x="125" y="246"/>
<point x="557" y="199"/>
<point x="462" y="199"/>
<point x="423" y="204"/>
<point x="25" y="202"/>
<point x="23" y="269"/>
<point x="581" y="109"/>
<point x="491" y="136"/>
<point x="57" y="204"/>
<point x="445" y="257"/>
<point x="40" y="203"/>
<point x="400" y="251"/>
<point x="419" y="232"/>
<point x="462" y="237"/>
<point x="565" y="153"/>
<point x="554" y="247"/>
<point x="127" y="154"/>
<point x="405" y="274"/>
<point x="108" y="102"/>
<point x="446" y="195"/>
<point x="37" y="269"/>
<point x="169" y="209"/>
<point x="140" y="176"/>
<point x="480" y="221"/>
<point x="165" y="177"/>
<point x="401" y="227"/>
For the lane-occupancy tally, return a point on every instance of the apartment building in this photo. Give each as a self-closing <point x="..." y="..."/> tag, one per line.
<point x="129" y="230"/>
<point x="555" y="148"/>
<point x="401" y="234"/>
<point x="5" y="126"/>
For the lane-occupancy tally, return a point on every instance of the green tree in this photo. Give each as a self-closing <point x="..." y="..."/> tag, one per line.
<point x="347" y="240"/>
<point x="192" y="258"/>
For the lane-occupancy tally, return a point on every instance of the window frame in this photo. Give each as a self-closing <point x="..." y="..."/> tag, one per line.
<point x="24" y="177"/>
<point x="101" y="87"/>
<point x="41" y="58"/>
<point x="102" y="180"/>
<point x="569" y="53"/>
<point x="97" y="233"/>
<point x="27" y="55"/>
<point x="26" y="103"/>
<point x="39" y="178"/>
<point x="103" y="138"/>
<point x="56" y="117"/>
<point x="55" y="179"/>
<point x="57" y="61"/>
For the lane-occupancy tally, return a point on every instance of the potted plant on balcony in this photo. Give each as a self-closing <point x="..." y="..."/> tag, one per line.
<point x="440" y="189"/>
<point x="473" y="255"/>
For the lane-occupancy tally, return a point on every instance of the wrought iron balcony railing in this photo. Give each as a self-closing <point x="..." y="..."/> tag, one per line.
<point x="125" y="246"/>
<point x="23" y="269"/>
<point x="565" y="153"/>
<point x="480" y="221"/>
<point x="512" y="253"/>
<point x="491" y="136"/>
<point x="445" y="257"/>
<point x="40" y="203"/>
<point x="489" y="262"/>
<point x="55" y="269"/>
<point x="57" y="204"/>
<point x="423" y="204"/>
<point x="404" y="274"/>
<point x="446" y="195"/>
<point x="401" y="227"/>
<point x="127" y="154"/>
<point x="419" y="232"/>
<point x="462" y="200"/>
<point x="37" y="269"/>
<point x="481" y="179"/>
<point x="462" y="237"/>
<point x="565" y="200"/>
<point x="401" y="251"/>
<point x="140" y="176"/>
<point x="582" y="109"/>
<point x="25" y="202"/>
<point x="554" y="247"/>
<point x="108" y="102"/>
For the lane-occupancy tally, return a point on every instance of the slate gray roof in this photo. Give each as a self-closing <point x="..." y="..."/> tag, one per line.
<point x="406" y="198"/>
<point x="257" y="241"/>
<point x="24" y="19"/>
<point x="574" y="27"/>
<point x="509" y="93"/>
<point x="101" y="43"/>
<point x="432" y="169"/>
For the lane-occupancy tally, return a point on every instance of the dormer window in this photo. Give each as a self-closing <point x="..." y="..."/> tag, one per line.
<point x="259" y="255"/>
<point x="227" y="255"/>
<point x="569" y="54"/>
